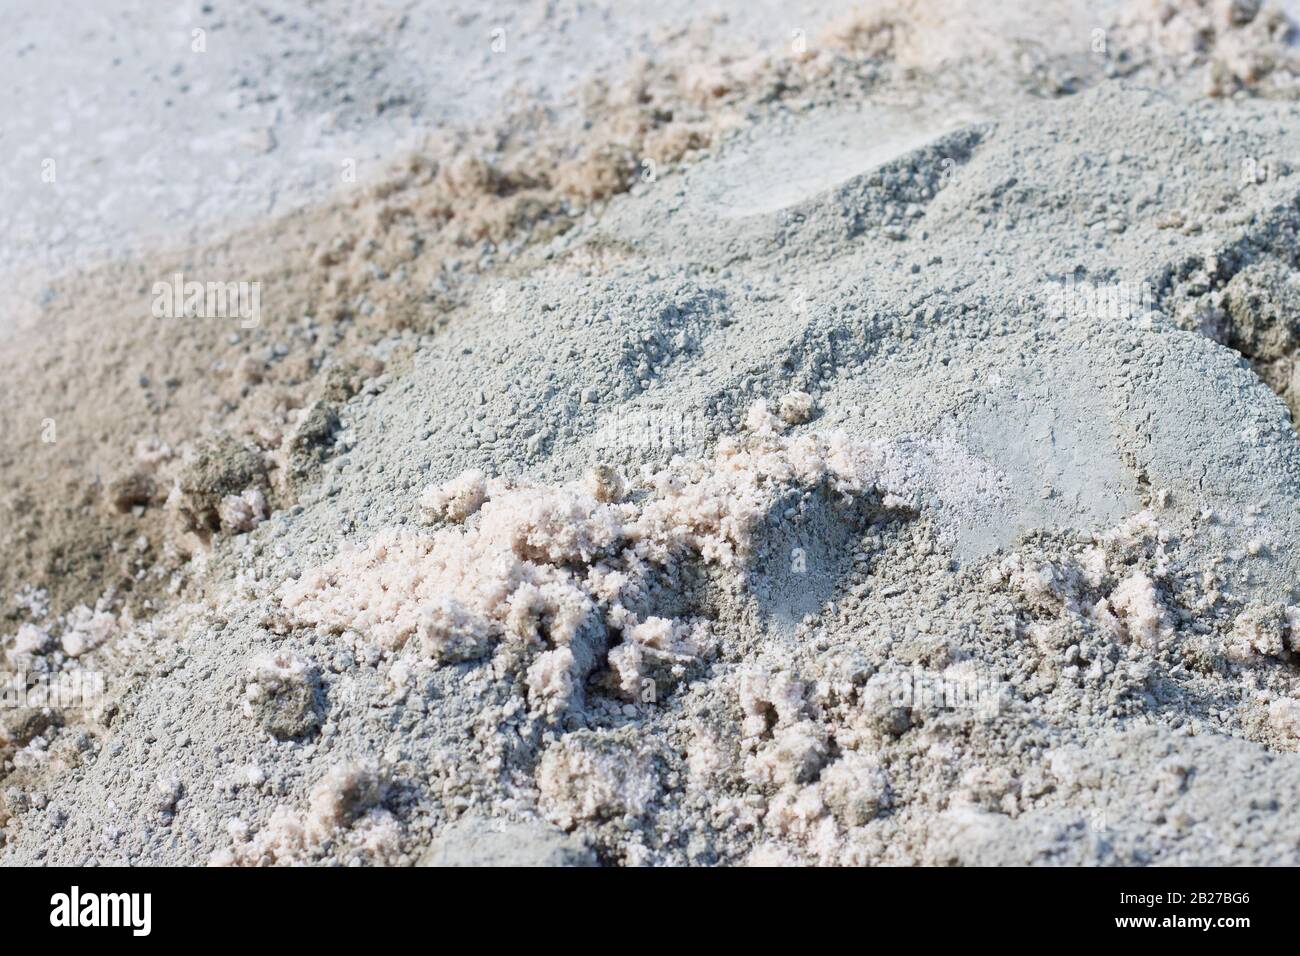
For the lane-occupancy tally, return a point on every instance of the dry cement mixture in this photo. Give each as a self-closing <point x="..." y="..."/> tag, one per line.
<point x="868" y="439"/>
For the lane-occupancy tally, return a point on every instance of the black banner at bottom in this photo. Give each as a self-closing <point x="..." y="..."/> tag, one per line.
<point x="343" y="905"/>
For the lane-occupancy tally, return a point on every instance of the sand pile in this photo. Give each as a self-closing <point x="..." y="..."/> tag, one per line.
<point x="903" y="471"/>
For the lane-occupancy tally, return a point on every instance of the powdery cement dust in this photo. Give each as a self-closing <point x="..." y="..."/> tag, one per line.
<point x="752" y="506"/>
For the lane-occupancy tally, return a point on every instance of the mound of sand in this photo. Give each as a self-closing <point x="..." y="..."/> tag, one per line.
<point x="895" y="470"/>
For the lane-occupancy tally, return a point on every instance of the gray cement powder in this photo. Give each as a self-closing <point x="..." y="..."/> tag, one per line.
<point x="886" y="487"/>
